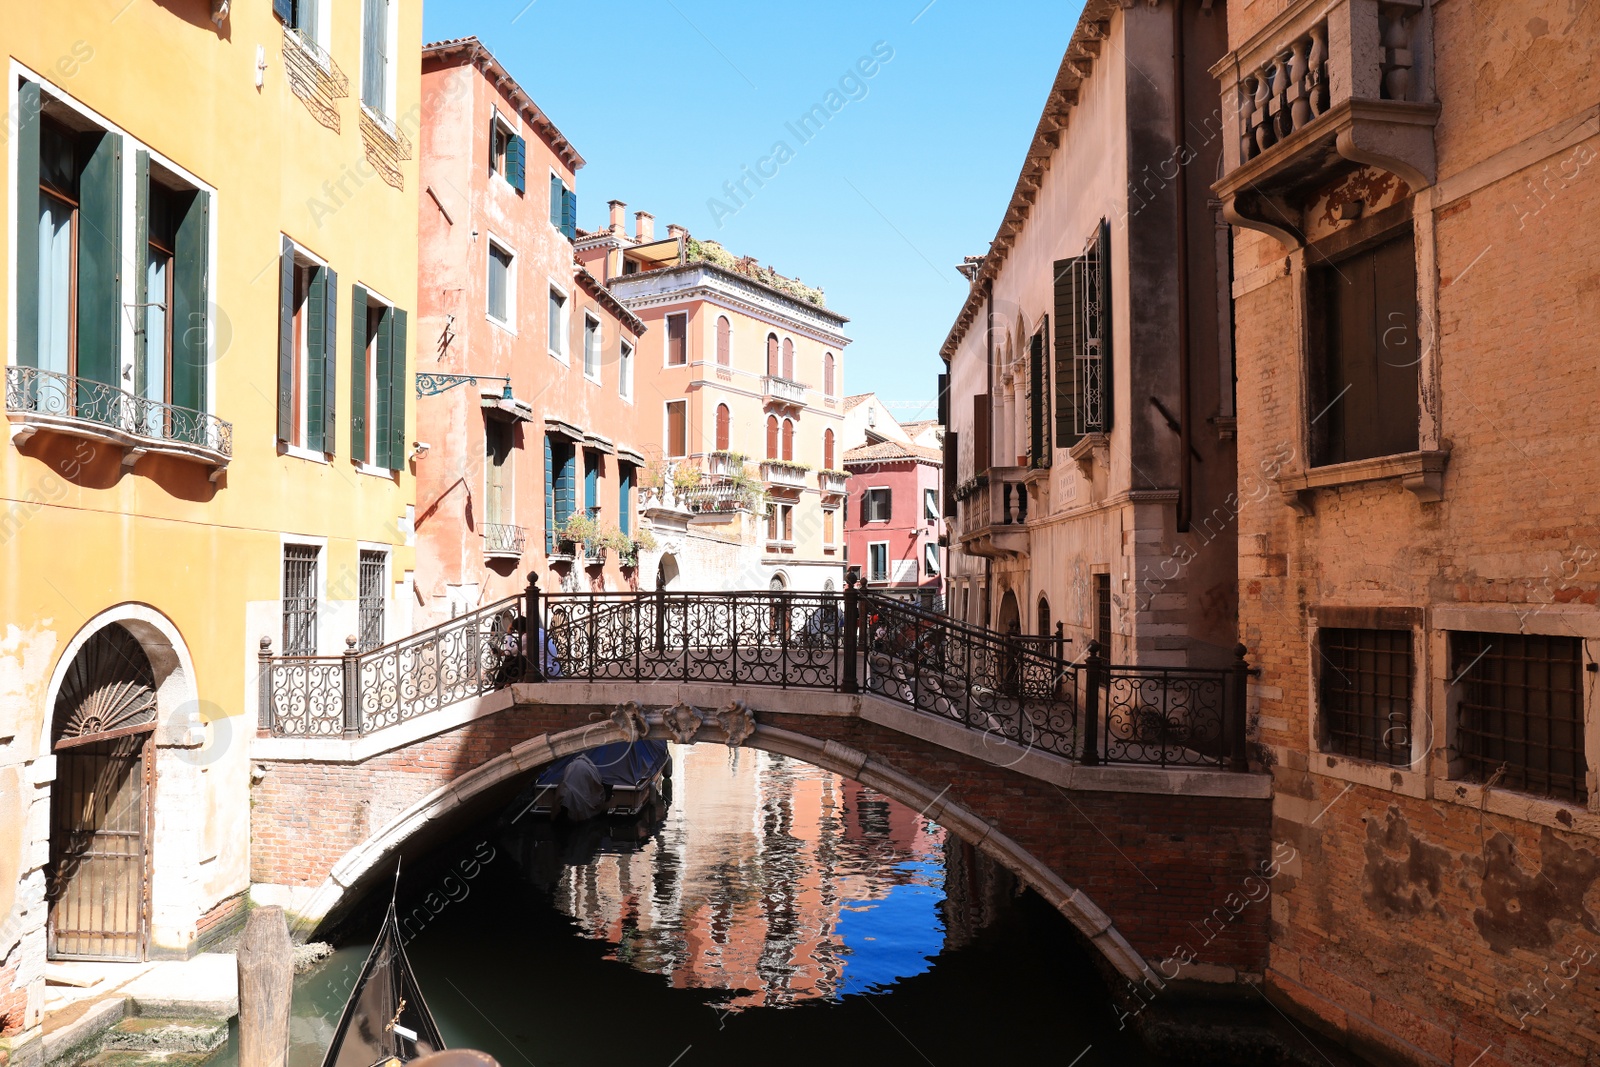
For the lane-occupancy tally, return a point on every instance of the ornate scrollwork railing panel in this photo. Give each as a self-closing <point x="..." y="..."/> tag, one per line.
<point x="307" y="694"/>
<point x="1164" y="716"/>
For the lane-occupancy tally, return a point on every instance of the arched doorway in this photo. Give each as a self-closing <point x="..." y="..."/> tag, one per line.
<point x="98" y="877"/>
<point x="1010" y="618"/>
<point x="667" y="572"/>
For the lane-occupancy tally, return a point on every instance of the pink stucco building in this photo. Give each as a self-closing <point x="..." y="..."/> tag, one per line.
<point x="894" y="525"/>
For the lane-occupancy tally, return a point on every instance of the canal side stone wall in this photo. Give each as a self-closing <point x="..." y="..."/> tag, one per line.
<point x="1182" y="875"/>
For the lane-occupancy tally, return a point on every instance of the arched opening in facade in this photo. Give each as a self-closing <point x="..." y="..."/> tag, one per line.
<point x="667" y="572"/>
<point x="724" y="427"/>
<point x="1009" y="619"/>
<point x="1043" y="616"/>
<point x="772" y="355"/>
<point x="724" y="341"/>
<point x="102" y="802"/>
<point x="788" y="359"/>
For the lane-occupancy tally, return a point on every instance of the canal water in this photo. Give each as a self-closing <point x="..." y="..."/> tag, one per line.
<point x="770" y="913"/>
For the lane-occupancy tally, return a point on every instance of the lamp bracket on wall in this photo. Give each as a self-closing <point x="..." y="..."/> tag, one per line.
<point x="434" y="384"/>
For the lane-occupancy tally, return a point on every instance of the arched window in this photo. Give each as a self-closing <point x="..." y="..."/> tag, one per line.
<point x="827" y="450"/>
<point x="1044" y="617"/>
<point x="827" y="374"/>
<point x="724" y="424"/>
<point x="788" y="439"/>
<point x="724" y="341"/>
<point x="772" y="437"/>
<point x="788" y="359"/>
<point x="772" y="355"/>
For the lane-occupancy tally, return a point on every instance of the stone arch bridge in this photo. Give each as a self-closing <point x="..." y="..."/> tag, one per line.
<point x="1120" y="794"/>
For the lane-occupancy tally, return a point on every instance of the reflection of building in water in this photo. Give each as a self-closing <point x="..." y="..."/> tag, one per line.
<point x="747" y="886"/>
<point x="976" y="890"/>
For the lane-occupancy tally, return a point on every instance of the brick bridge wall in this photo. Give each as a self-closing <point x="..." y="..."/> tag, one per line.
<point x="1181" y="876"/>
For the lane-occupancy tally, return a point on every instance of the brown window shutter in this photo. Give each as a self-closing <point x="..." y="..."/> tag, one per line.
<point x="980" y="434"/>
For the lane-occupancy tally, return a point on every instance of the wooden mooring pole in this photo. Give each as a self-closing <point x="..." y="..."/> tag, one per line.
<point x="266" y="981"/>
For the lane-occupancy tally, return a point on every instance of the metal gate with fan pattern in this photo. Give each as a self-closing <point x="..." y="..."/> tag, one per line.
<point x="100" y="811"/>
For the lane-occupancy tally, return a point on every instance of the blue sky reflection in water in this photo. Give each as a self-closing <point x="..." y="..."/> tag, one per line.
<point x="778" y="914"/>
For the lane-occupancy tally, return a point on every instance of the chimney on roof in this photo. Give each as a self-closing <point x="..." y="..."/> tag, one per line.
<point x="619" y="220"/>
<point x="644" y="227"/>
<point x="674" y="230"/>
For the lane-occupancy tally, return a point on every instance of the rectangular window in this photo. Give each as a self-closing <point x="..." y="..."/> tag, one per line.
<point x="591" y="483"/>
<point x="829" y="516"/>
<point x="625" y="372"/>
<point x="1364" y="690"/>
<point x="300" y="599"/>
<point x="780" y="524"/>
<point x="1363" y="322"/>
<point x="1521" y="711"/>
<point x="558" y="324"/>
<point x="677" y="428"/>
<point x="1102" y="613"/>
<point x="560" y="486"/>
<point x="508" y="153"/>
<point x="930" y="559"/>
<point x="878" y="561"/>
<point x="876" y="505"/>
<point x="677" y="340"/>
<point x="375" y="55"/>
<point x="591" y="348"/>
<point x="501" y="294"/>
<point x="497" y="484"/>
<point x="930" y="505"/>
<point x="372" y="566"/>
<point x="377" y="381"/>
<point x="307" y="355"/>
<point x="1083" y="357"/>
<point x="300" y="16"/>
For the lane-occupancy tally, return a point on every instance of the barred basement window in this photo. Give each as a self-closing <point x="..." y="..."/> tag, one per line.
<point x="1365" y="694"/>
<point x="300" y="600"/>
<point x="371" y="594"/>
<point x="1521" y="711"/>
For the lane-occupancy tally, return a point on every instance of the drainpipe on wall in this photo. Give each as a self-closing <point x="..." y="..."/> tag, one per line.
<point x="1185" y="418"/>
<point x="987" y="601"/>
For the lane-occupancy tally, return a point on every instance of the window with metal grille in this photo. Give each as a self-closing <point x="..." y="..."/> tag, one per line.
<point x="1082" y="343"/>
<point x="371" y="593"/>
<point x="300" y="599"/>
<point x="1102" y="613"/>
<point x="1521" y="711"/>
<point x="1364" y="692"/>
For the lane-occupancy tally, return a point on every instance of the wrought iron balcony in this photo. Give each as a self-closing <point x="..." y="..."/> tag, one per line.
<point x="783" y="391"/>
<point x="717" y="496"/>
<point x="48" y="400"/>
<point x="783" y="474"/>
<point x="1321" y="89"/>
<point x="503" y="541"/>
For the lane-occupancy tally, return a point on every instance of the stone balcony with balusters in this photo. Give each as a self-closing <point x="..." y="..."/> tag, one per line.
<point x="1319" y="91"/>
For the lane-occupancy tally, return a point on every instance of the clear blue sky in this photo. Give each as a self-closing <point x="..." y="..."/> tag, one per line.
<point x="669" y="99"/>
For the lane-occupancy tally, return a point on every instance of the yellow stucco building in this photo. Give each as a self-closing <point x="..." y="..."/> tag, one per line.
<point x="210" y="259"/>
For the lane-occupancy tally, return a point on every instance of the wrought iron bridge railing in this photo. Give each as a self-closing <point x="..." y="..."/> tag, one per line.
<point x="133" y="420"/>
<point x="1015" y="690"/>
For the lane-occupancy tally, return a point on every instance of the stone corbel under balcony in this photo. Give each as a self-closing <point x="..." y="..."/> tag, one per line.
<point x="1091" y="448"/>
<point x="1422" y="474"/>
<point x="1394" y="135"/>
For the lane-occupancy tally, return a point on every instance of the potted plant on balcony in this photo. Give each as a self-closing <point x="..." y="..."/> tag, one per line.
<point x="626" y="548"/>
<point x="577" y="530"/>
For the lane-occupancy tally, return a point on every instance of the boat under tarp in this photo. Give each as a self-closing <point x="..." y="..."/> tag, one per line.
<point x="618" y="779"/>
<point x="385" y="1020"/>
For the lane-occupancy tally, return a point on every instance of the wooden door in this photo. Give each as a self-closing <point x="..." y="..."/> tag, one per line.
<point x="98" y="879"/>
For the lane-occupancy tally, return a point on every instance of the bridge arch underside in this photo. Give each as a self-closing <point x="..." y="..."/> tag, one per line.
<point x="1155" y="882"/>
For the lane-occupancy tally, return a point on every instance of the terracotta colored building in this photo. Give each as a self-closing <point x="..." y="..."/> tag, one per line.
<point x="1089" y="399"/>
<point x="1414" y="191"/>
<point x="749" y="375"/>
<point x="894" y="524"/>
<point x="551" y="429"/>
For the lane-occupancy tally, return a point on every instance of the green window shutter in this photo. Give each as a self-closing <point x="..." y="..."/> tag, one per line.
<point x="569" y="214"/>
<point x="99" y="259"/>
<point x="557" y="200"/>
<point x="27" y="224"/>
<point x="1039" y="397"/>
<point x="383" y="401"/>
<point x="1102" y="282"/>
<point x="358" y="374"/>
<point x="285" y="340"/>
<point x="517" y="163"/>
<point x="284" y="9"/>
<point x="549" y="497"/>
<point x="624" y="498"/>
<point x="191" y="304"/>
<point x="591" y="480"/>
<point x="141" y="280"/>
<point x="398" y="384"/>
<point x="329" y="366"/>
<point x="316" y="342"/>
<point x="1067" y="327"/>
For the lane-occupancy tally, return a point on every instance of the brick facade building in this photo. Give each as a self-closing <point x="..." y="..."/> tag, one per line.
<point x="1413" y="184"/>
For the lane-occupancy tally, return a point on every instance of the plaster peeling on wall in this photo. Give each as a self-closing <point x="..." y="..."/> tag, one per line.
<point x="25" y="660"/>
<point x="1522" y="909"/>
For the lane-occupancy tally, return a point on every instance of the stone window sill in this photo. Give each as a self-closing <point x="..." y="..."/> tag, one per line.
<point x="1385" y="776"/>
<point x="1422" y="473"/>
<point x="1090" y="447"/>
